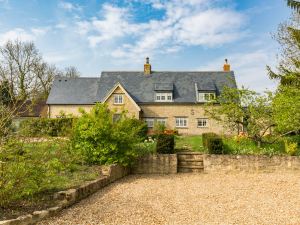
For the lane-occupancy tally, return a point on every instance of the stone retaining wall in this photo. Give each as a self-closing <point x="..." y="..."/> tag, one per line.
<point x="216" y="163"/>
<point x="69" y="197"/>
<point x="156" y="164"/>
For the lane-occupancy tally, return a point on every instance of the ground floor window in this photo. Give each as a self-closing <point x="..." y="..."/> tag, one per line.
<point x="116" y="117"/>
<point x="202" y="122"/>
<point x="162" y="121"/>
<point x="181" y="122"/>
<point x="150" y="122"/>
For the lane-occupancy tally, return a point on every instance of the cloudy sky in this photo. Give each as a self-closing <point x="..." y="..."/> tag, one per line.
<point x="191" y="35"/>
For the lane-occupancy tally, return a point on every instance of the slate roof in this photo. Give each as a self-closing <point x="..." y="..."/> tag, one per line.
<point x="73" y="91"/>
<point x="140" y="87"/>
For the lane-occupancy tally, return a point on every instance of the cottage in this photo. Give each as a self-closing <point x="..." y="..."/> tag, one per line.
<point x="175" y="99"/>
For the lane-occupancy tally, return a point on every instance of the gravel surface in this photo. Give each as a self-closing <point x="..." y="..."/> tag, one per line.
<point x="235" y="198"/>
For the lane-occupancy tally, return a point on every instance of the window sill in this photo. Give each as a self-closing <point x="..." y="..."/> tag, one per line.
<point x="181" y="127"/>
<point x="119" y="104"/>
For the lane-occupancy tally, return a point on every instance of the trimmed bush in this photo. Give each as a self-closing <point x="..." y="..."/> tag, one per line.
<point x="214" y="145"/>
<point x="40" y="127"/>
<point x="165" y="144"/>
<point x="206" y="136"/>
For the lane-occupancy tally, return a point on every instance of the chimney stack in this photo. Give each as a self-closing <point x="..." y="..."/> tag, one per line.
<point x="147" y="67"/>
<point x="226" y="66"/>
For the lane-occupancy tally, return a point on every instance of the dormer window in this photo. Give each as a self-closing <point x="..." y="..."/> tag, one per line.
<point x="118" y="99"/>
<point x="163" y="96"/>
<point x="206" y="96"/>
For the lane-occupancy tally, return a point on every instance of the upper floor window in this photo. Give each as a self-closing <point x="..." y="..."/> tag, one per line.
<point x="118" y="99"/>
<point x="206" y="97"/>
<point x="164" y="97"/>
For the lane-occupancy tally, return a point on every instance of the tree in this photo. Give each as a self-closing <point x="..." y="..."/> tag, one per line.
<point x="286" y="101"/>
<point x="294" y="5"/>
<point x="72" y="72"/>
<point x="243" y="108"/>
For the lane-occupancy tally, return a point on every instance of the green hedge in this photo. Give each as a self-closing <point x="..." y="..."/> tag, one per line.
<point x="40" y="127"/>
<point x="165" y="144"/>
<point x="213" y="143"/>
<point x="205" y="137"/>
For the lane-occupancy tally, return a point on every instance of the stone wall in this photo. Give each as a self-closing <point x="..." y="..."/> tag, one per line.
<point x="69" y="197"/>
<point x="217" y="163"/>
<point x="156" y="164"/>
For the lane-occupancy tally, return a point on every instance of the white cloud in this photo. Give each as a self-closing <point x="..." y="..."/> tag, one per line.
<point x="22" y="35"/>
<point x="186" y="23"/>
<point x="69" y="6"/>
<point x="249" y="67"/>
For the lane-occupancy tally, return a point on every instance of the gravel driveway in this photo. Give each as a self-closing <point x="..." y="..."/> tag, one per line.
<point x="236" y="198"/>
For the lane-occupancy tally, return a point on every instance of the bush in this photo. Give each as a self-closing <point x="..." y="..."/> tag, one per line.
<point x="214" y="145"/>
<point x="102" y="141"/>
<point x="30" y="168"/>
<point x="165" y="144"/>
<point x="205" y="137"/>
<point x="290" y="147"/>
<point x="142" y="126"/>
<point x="46" y="127"/>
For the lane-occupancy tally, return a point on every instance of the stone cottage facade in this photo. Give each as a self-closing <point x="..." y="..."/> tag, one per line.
<point x="175" y="99"/>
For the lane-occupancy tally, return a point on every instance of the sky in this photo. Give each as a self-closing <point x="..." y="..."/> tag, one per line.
<point x="177" y="35"/>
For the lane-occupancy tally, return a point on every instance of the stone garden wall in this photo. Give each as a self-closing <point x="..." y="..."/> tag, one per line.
<point x="71" y="196"/>
<point x="217" y="163"/>
<point x="156" y="164"/>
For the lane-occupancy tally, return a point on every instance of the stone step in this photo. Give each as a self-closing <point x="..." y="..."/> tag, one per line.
<point x="189" y="153"/>
<point x="184" y="157"/>
<point x="191" y="167"/>
<point x="190" y="163"/>
<point x="189" y="170"/>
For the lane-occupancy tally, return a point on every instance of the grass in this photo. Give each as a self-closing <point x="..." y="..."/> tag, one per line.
<point x="191" y="143"/>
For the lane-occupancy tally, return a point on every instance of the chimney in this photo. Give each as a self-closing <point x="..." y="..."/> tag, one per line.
<point x="147" y="67"/>
<point x="226" y="66"/>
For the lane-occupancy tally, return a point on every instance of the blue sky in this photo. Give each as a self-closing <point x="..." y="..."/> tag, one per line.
<point x="176" y="34"/>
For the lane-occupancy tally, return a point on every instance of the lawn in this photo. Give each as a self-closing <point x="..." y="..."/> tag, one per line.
<point x="190" y="143"/>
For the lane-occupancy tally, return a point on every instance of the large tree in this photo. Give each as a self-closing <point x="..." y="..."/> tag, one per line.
<point x="286" y="110"/>
<point x="243" y="109"/>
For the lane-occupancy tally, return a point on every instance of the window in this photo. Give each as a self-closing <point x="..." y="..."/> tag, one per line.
<point x="181" y="122"/>
<point x="161" y="121"/>
<point x="118" y="99"/>
<point x="150" y="122"/>
<point x="202" y="122"/>
<point x="206" y="97"/>
<point x="164" y="97"/>
<point x="116" y="117"/>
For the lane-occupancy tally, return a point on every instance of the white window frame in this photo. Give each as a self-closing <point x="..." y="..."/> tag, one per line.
<point x="161" y="121"/>
<point x="118" y="99"/>
<point x="164" y="97"/>
<point x="181" y="122"/>
<point x="203" y="98"/>
<point x="202" y="122"/>
<point x="150" y="122"/>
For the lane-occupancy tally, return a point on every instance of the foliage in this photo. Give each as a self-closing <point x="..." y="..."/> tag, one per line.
<point x="294" y="5"/>
<point x="159" y="128"/>
<point x="205" y="137"/>
<point x="39" y="127"/>
<point x="143" y="128"/>
<point x="244" y="108"/>
<point x="286" y="109"/>
<point x="31" y="168"/>
<point x="290" y="147"/>
<point x="103" y="141"/>
<point x="165" y="144"/>
<point x="215" y="145"/>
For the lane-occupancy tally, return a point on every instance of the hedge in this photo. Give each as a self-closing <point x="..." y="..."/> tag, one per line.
<point x="165" y="144"/>
<point x="39" y="127"/>
<point x="206" y="136"/>
<point x="213" y="143"/>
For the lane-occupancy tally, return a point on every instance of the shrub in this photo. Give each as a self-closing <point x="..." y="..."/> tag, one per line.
<point x="290" y="147"/>
<point x="46" y="127"/>
<point x="142" y="126"/>
<point x="205" y="137"/>
<point x="159" y="128"/>
<point x="102" y="141"/>
<point x="165" y="144"/>
<point x="214" y="145"/>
